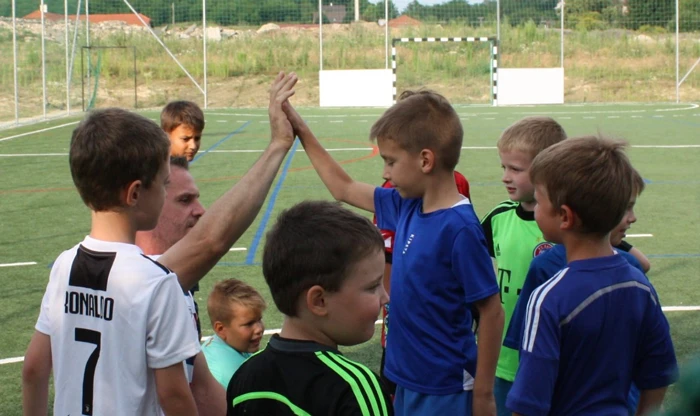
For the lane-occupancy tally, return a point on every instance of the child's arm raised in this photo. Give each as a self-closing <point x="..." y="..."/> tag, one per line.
<point x="339" y="183"/>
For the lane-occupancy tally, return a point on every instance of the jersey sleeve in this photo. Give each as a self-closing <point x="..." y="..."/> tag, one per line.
<point x="43" y="323"/>
<point x="537" y="274"/>
<point x="387" y="204"/>
<point x="534" y="383"/>
<point x="656" y="366"/>
<point x="472" y="265"/>
<point x="488" y="235"/>
<point x="170" y="336"/>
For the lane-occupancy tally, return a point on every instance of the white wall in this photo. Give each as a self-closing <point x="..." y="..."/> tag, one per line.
<point x="530" y="86"/>
<point x="355" y="88"/>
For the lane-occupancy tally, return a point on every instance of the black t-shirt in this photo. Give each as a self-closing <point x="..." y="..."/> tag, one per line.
<point x="291" y="377"/>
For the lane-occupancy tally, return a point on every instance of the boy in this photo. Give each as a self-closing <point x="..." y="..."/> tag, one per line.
<point x="512" y="236"/>
<point x="596" y="326"/>
<point x="442" y="268"/>
<point x="324" y="266"/>
<point x="235" y="310"/>
<point x="104" y="288"/>
<point x="388" y="236"/>
<point x="549" y="263"/>
<point x="183" y="121"/>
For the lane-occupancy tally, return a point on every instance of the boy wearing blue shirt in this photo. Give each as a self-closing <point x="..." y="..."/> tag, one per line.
<point x="441" y="266"/>
<point x="553" y="260"/>
<point x="596" y="326"/>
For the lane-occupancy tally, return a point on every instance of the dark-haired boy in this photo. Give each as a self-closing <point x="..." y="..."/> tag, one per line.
<point x="324" y="266"/>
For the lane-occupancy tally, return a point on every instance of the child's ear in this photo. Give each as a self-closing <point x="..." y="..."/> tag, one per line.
<point x="567" y="218"/>
<point x="130" y="194"/>
<point x="219" y="330"/>
<point x="427" y="160"/>
<point x="316" y="300"/>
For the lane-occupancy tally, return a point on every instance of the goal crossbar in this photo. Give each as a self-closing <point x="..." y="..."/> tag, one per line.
<point x="494" y="58"/>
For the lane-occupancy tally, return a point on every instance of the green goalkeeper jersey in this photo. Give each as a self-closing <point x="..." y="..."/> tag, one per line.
<point x="513" y="239"/>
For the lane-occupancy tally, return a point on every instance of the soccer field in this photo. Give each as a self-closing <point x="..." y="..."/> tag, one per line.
<point x="41" y="214"/>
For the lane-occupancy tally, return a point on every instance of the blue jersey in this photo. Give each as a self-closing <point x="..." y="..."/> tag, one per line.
<point x="440" y="267"/>
<point x="542" y="268"/>
<point x="590" y="331"/>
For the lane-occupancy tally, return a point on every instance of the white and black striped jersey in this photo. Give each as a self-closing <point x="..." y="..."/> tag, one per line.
<point x="114" y="316"/>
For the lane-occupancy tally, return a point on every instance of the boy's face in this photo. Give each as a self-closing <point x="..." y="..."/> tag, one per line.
<point x="546" y="216"/>
<point x="516" y="175"/>
<point x="618" y="233"/>
<point x="182" y="208"/>
<point x="185" y="141"/>
<point x="353" y="310"/>
<point x="245" y="330"/>
<point x="401" y="168"/>
<point x="151" y="199"/>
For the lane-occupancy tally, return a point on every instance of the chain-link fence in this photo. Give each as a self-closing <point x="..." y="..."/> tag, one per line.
<point x="220" y="53"/>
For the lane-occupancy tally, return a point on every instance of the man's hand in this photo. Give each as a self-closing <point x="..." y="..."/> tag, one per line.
<point x="280" y="91"/>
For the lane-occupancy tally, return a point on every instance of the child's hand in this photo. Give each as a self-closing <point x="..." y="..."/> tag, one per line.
<point x="483" y="404"/>
<point x="298" y="123"/>
<point x="281" y="90"/>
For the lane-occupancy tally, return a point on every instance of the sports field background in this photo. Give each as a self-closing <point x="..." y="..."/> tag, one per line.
<point x="41" y="214"/>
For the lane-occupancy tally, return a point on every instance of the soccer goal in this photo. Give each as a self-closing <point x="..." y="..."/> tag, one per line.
<point x="106" y="78"/>
<point x="461" y="70"/>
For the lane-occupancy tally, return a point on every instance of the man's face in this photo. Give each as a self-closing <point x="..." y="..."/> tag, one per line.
<point x="182" y="208"/>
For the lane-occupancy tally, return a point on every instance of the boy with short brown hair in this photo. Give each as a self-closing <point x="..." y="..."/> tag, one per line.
<point x="440" y="266"/>
<point x="104" y="287"/>
<point x="596" y="326"/>
<point x="235" y="311"/>
<point x="183" y="121"/>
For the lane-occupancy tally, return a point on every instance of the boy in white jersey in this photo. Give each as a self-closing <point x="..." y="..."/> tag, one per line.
<point x="113" y="326"/>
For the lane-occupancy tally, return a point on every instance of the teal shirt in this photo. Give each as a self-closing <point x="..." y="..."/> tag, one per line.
<point x="222" y="359"/>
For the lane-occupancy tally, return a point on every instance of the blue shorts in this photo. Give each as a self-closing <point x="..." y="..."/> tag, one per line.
<point x="410" y="403"/>
<point x="500" y="391"/>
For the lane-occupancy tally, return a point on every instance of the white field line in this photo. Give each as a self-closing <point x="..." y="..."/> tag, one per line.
<point x="357" y="149"/>
<point x="639" y="235"/>
<point x="38" y="131"/>
<point x="379" y="321"/>
<point x="25" y="263"/>
<point x="239" y="249"/>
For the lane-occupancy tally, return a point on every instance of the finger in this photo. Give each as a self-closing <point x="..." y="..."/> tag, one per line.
<point x="288" y="83"/>
<point x="277" y="83"/>
<point x="284" y="96"/>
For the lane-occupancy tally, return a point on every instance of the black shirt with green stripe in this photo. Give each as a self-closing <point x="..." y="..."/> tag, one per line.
<point x="291" y="377"/>
<point x="513" y="239"/>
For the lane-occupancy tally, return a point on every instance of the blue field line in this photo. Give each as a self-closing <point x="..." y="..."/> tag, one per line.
<point x="270" y="205"/>
<point x="215" y="145"/>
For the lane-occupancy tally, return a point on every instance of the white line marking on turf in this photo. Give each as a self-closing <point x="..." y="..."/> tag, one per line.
<point x="357" y="149"/>
<point x="680" y="308"/>
<point x="377" y="322"/>
<point x="639" y="235"/>
<point x="26" y="263"/>
<point x="38" y="131"/>
<point x="239" y="249"/>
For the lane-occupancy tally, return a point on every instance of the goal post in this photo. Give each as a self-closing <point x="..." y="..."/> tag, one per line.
<point x="97" y="76"/>
<point x="491" y="40"/>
